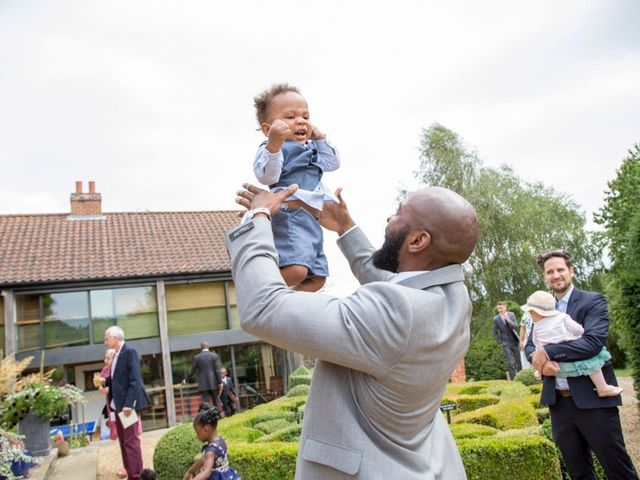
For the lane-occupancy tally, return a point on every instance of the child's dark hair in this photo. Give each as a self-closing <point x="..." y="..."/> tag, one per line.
<point x="263" y="101"/>
<point x="207" y="415"/>
<point x="148" y="474"/>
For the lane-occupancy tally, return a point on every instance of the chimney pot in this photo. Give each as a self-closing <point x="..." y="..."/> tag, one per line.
<point x="92" y="187"/>
<point x="78" y="187"/>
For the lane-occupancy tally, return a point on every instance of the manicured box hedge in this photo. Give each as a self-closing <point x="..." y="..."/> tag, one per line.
<point x="496" y="427"/>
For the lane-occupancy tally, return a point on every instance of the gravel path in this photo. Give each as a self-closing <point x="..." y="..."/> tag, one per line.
<point x="630" y="419"/>
<point x="109" y="460"/>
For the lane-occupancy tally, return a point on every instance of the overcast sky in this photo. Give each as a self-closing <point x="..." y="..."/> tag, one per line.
<point x="154" y="99"/>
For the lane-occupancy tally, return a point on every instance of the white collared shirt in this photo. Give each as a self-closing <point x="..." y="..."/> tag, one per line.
<point x="561" y="306"/>
<point x="111" y="372"/>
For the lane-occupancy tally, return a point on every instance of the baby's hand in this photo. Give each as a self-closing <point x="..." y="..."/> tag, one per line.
<point x="277" y="135"/>
<point x="317" y="134"/>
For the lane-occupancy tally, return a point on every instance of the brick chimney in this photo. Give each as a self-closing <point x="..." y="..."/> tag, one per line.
<point x="86" y="204"/>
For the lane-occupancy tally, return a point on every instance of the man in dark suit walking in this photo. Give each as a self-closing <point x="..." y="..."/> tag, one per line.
<point x="126" y="396"/>
<point x="206" y="367"/>
<point x="581" y="420"/>
<point x="505" y="331"/>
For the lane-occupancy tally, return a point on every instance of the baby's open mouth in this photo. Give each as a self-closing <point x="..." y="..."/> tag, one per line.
<point x="301" y="133"/>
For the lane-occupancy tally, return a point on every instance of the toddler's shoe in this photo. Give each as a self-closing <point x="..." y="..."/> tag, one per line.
<point x="610" y="391"/>
<point x="537" y="375"/>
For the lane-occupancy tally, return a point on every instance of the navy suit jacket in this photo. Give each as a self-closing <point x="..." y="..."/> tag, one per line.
<point x="589" y="309"/>
<point x="125" y="387"/>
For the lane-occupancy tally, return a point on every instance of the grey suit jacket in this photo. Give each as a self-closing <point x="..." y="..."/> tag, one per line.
<point x="503" y="334"/>
<point x="207" y="367"/>
<point x="384" y="356"/>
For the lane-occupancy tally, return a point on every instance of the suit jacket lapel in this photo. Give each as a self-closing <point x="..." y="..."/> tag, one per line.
<point x="441" y="276"/>
<point x="573" y="301"/>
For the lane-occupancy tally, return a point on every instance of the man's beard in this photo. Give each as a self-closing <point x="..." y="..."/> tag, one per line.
<point x="386" y="258"/>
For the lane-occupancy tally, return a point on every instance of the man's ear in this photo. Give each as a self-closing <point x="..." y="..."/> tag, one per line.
<point x="418" y="240"/>
<point x="265" y="128"/>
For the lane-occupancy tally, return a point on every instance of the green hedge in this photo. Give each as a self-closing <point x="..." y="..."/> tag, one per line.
<point x="270" y="426"/>
<point x="471" y="430"/>
<point x="302" y="389"/>
<point x="507" y="414"/>
<point x="509" y="458"/>
<point x="264" y="461"/>
<point x="527" y="377"/>
<point x="175" y="452"/>
<point x="290" y="433"/>
<point x="295" y="380"/>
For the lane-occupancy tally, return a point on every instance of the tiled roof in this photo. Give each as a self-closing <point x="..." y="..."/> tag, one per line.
<point x="55" y="248"/>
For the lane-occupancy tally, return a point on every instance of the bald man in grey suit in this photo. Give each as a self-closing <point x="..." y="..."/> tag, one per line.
<point x="385" y="353"/>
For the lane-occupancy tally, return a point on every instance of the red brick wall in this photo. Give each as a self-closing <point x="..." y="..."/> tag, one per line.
<point x="459" y="375"/>
<point x="86" y="204"/>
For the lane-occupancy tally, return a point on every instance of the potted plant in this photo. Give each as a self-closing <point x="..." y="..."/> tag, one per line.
<point x="31" y="402"/>
<point x="14" y="461"/>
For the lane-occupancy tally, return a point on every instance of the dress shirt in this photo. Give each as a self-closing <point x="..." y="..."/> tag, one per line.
<point x="268" y="166"/>
<point x="561" y="306"/>
<point x="113" y="369"/>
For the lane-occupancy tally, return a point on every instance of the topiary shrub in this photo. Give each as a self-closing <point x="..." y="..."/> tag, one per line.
<point x="527" y="377"/>
<point x="301" y="370"/>
<point x="470" y="430"/>
<point x="290" y="433"/>
<point x="509" y="458"/>
<point x="295" y="380"/>
<point x="508" y="389"/>
<point x="175" y="452"/>
<point x="467" y="403"/>
<point x="264" y="461"/>
<point x="505" y="415"/>
<point x="536" y="388"/>
<point x="543" y="414"/>
<point x="271" y="426"/>
<point x="298" y="390"/>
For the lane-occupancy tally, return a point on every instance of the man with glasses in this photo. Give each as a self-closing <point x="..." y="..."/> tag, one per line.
<point x="581" y="421"/>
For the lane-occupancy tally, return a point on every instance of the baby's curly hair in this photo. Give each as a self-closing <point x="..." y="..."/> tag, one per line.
<point x="262" y="102"/>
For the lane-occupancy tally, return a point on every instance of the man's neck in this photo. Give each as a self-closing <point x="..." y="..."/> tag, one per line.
<point x="119" y="347"/>
<point x="564" y="294"/>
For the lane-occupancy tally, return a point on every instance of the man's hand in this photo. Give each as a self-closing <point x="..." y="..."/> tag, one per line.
<point x="253" y="197"/>
<point x="540" y="361"/>
<point x="126" y="411"/>
<point x="317" y="134"/>
<point x="335" y="215"/>
<point x="550" y="369"/>
<point x="278" y="133"/>
<point x="539" y="358"/>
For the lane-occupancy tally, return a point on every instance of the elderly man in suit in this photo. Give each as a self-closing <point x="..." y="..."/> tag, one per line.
<point x="126" y="396"/>
<point x="206" y="367"/>
<point x="505" y="331"/>
<point x="385" y="353"/>
<point x="581" y="421"/>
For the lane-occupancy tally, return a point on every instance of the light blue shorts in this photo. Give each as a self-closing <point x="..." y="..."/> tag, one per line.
<point x="298" y="238"/>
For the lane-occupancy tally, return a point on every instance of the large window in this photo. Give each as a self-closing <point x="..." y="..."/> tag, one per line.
<point x="28" y="322"/>
<point x="66" y="319"/>
<point x="233" y="306"/>
<point x="133" y="309"/>
<point x="196" y="308"/>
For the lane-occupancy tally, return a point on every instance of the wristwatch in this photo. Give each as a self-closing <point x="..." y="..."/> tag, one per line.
<point x="252" y="213"/>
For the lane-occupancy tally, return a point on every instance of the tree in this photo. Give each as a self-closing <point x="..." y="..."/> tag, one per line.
<point x="518" y="220"/>
<point x="620" y="217"/>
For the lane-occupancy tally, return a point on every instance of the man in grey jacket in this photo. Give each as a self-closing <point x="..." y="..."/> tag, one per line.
<point x="384" y="354"/>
